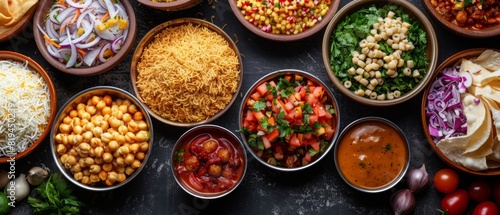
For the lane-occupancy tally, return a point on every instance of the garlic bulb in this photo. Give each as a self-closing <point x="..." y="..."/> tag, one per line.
<point x="19" y="188"/>
<point x="37" y="175"/>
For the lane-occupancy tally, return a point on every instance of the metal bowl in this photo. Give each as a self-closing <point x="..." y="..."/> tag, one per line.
<point x="191" y="136"/>
<point x="330" y="101"/>
<point x="374" y="189"/>
<point x="410" y="9"/>
<point x="83" y="97"/>
<point x="31" y="64"/>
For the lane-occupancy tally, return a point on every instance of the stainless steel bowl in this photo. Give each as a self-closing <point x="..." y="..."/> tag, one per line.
<point x="83" y="96"/>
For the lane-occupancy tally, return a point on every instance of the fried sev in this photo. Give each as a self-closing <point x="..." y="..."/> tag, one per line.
<point x="188" y="73"/>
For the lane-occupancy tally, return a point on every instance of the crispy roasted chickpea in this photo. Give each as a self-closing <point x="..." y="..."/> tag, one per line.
<point x="192" y="163"/>
<point x="210" y="146"/>
<point x="215" y="170"/>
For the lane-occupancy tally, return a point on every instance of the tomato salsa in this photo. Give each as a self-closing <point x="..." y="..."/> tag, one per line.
<point x="209" y="163"/>
<point x="371" y="154"/>
<point x="470" y="14"/>
<point x="288" y="121"/>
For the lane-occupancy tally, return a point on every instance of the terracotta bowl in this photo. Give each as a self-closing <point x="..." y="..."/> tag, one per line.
<point x="341" y="154"/>
<point x="39" y="20"/>
<point x="8" y="55"/>
<point x="65" y="112"/>
<point x="451" y="62"/>
<point x="175" y="5"/>
<point x="19" y="26"/>
<point x="415" y="14"/>
<point x="226" y="139"/>
<point x="285" y="37"/>
<point x="149" y="38"/>
<point x="267" y="155"/>
<point x="465" y="32"/>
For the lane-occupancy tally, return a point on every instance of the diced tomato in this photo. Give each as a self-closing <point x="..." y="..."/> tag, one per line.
<point x="292" y="99"/>
<point x="300" y="136"/>
<point x="275" y="107"/>
<point x="311" y="99"/>
<point x="278" y="153"/>
<point x="269" y="97"/>
<point x="250" y="102"/>
<point x="320" y="110"/>
<point x="313" y="119"/>
<point x="318" y="92"/>
<point x="258" y="115"/>
<point x="294" y="141"/>
<point x="302" y="92"/>
<point x="281" y="105"/>
<point x="315" y="145"/>
<point x="272" y="83"/>
<point x="262" y="89"/>
<point x="307" y="136"/>
<point x="267" y="143"/>
<point x="291" y="115"/>
<point x="288" y="77"/>
<point x="328" y="115"/>
<point x="250" y="116"/>
<point x="329" y="131"/>
<point x="289" y="106"/>
<point x="255" y="96"/>
<point x="273" y="135"/>
<point x="308" y="157"/>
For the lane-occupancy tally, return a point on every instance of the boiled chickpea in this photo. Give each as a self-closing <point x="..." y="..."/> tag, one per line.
<point x="192" y="163"/>
<point x="210" y="146"/>
<point x="215" y="170"/>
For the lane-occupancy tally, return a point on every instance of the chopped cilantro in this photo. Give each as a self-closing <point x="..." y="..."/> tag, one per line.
<point x="259" y="105"/>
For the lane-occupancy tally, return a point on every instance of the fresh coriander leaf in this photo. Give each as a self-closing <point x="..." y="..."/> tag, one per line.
<point x="259" y="105"/>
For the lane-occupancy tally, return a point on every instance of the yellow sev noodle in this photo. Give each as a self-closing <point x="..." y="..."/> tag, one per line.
<point x="188" y="73"/>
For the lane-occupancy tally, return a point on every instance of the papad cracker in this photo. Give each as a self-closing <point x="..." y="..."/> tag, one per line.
<point x="489" y="59"/>
<point x="23" y="6"/>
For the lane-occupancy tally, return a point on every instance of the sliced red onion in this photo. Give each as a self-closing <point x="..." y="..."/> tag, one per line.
<point x="101" y="53"/>
<point x="88" y="44"/>
<point x="72" y="58"/>
<point x="53" y="14"/>
<point x="87" y="28"/>
<point x="85" y="4"/>
<point x="116" y="44"/>
<point x="64" y="14"/>
<point x="111" y="8"/>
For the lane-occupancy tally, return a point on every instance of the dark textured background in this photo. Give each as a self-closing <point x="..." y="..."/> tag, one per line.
<point x="318" y="190"/>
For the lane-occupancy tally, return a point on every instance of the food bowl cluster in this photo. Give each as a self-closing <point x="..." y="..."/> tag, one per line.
<point x="193" y="88"/>
<point x="84" y="39"/>
<point x="477" y="19"/>
<point x="25" y="88"/>
<point x="208" y="161"/>
<point x="289" y="120"/>
<point x="468" y="139"/>
<point x="374" y="53"/>
<point x="101" y="138"/>
<point x="289" y="21"/>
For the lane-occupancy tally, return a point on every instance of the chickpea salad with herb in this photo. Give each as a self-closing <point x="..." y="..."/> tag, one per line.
<point x="379" y="52"/>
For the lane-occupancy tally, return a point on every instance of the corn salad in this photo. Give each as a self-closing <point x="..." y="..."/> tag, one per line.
<point x="284" y="16"/>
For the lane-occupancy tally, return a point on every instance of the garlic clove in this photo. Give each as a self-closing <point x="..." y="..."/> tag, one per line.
<point x="37" y="175"/>
<point x="18" y="188"/>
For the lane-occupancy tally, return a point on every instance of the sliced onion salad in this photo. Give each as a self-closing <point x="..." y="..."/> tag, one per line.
<point x="85" y="32"/>
<point x="444" y="107"/>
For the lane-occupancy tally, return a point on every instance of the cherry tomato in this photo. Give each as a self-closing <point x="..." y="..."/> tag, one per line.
<point x="446" y="180"/>
<point x="456" y="202"/>
<point x="486" y="208"/>
<point x="496" y="192"/>
<point x="479" y="191"/>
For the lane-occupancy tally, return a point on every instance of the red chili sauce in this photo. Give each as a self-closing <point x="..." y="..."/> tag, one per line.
<point x="210" y="164"/>
<point x="478" y="15"/>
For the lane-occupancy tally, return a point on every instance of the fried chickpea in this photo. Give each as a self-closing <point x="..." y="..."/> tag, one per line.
<point x="61" y="149"/>
<point x="95" y="168"/>
<point x="140" y="155"/>
<point x="210" y="146"/>
<point x="136" y="164"/>
<point x="224" y="155"/>
<point x="129" y="170"/>
<point x="94" y="178"/>
<point x="103" y="175"/>
<point x="76" y="168"/>
<point x="144" y="146"/>
<point x="142" y="125"/>
<point x="142" y="136"/>
<point x="192" y="163"/>
<point x="112" y="176"/>
<point x="107" y="157"/>
<point x="85" y="179"/>
<point x="138" y="116"/>
<point x="129" y="159"/>
<point x="215" y="170"/>
<point x="121" y="177"/>
<point x="107" y="167"/>
<point x="113" y="145"/>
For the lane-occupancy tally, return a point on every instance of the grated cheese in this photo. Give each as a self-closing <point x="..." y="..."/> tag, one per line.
<point x="24" y="107"/>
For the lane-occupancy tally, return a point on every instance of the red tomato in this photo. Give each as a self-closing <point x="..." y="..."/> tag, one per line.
<point x="456" y="202"/>
<point x="479" y="191"/>
<point x="496" y="192"/>
<point x="446" y="180"/>
<point x="486" y="208"/>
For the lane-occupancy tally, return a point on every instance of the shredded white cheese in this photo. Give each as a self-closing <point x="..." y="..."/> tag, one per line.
<point x="24" y="107"/>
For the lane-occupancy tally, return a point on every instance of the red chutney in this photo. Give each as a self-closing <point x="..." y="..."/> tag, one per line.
<point x="371" y="154"/>
<point x="210" y="164"/>
<point x="478" y="15"/>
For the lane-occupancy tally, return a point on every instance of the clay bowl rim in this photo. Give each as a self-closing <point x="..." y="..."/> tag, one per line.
<point x="9" y="55"/>
<point x="415" y="13"/>
<point x="39" y="19"/>
<point x="449" y="62"/>
<point x="149" y="37"/>
<point x="171" y="6"/>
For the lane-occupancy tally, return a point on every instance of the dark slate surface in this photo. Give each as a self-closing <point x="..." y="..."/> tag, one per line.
<point x="318" y="190"/>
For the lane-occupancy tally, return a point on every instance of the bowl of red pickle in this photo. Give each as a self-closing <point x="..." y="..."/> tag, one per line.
<point x="284" y="20"/>
<point x="289" y="120"/>
<point x="468" y="18"/>
<point x="208" y="161"/>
